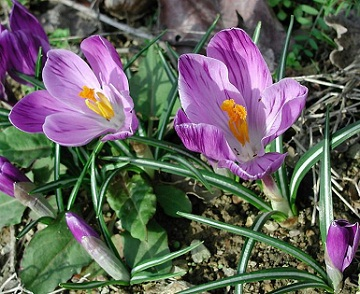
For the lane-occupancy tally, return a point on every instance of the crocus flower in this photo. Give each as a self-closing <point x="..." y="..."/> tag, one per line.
<point x="80" y="103"/>
<point x="342" y="242"/>
<point x="23" y="39"/>
<point x="231" y="109"/>
<point x="9" y="175"/>
<point x="15" y="184"/>
<point x="96" y="248"/>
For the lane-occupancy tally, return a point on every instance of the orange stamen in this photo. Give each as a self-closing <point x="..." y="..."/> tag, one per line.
<point x="237" y="120"/>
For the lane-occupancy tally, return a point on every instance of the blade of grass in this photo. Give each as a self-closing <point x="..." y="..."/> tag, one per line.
<point x="213" y="179"/>
<point x="260" y="237"/>
<point x="256" y="34"/>
<point x="302" y="285"/>
<point x="142" y="278"/>
<point x="76" y="188"/>
<point x="313" y="155"/>
<point x="146" y="264"/>
<point x="326" y="214"/>
<point x="249" y="245"/>
<point x="92" y="285"/>
<point x="277" y="145"/>
<point x="137" y="55"/>
<point x="256" y="276"/>
<point x="58" y="192"/>
<point x="203" y="40"/>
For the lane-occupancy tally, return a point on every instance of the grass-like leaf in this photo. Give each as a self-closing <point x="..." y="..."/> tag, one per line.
<point x="313" y="155"/>
<point x="249" y="245"/>
<point x="302" y="285"/>
<point x="92" y="285"/>
<point x="277" y="145"/>
<point x="203" y="40"/>
<point x="256" y="276"/>
<point x="146" y="264"/>
<point x="326" y="214"/>
<point x="143" y="277"/>
<point x="260" y="237"/>
<point x="218" y="181"/>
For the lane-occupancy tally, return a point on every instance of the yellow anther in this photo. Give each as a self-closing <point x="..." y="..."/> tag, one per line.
<point x="99" y="104"/>
<point x="237" y="120"/>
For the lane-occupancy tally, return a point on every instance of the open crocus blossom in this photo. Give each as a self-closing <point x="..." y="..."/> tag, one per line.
<point x="342" y="242"/>
<point x="9" y="175"/>
<point x="80" y="103"/>
<point x="231" y="109"/>
<point x="96" y="248"/>
<point x="22" y="42"/>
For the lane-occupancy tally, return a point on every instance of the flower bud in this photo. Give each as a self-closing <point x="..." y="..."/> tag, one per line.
<point x="96" y="248"/>
<point x="9" y="175"/>
<point x="342" y="242"/>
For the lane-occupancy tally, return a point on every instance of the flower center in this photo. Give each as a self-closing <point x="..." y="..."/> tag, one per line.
<point x="237" y="120"/>
<point x="100" y="104"/>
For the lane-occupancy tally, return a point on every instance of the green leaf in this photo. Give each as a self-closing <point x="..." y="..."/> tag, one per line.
<point x="155" y="245"/>
<point x="313" y="155"/>
<point x="326" y="214"/>
<point x="23" y="148"/>
<point x="309" y="10"/>
<point x="134" y="204"/>
<point x="11" y="210"/>
<point x="52" y="257"/>
<point x="172" y="199"/>
<point x="151" y="85"/>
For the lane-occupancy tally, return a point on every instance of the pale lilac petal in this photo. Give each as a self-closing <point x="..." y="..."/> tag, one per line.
<point x="203" y="87"/>
<point x="21" y="19"/>
<point x="65" y="74"/>
<point x="283" y="103"/>
<point x="247" y="68"/>
<point x="74" y="129"/>
<point x="105" y="62"/>
<point x="203" y="138"/>
<point x="30" y="112"/>
<point x="256" y="168"/>
<point x="127" y="129"/>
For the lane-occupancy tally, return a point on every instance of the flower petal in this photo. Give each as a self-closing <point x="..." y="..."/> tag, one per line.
<point x="247" y="68"/>
<point x="256" y="168"/>
<point x="74" y="129"/>
<point x="203" y="87"/>
<point x="21" y="19"/>
<point x="30" y="112"/>
<point x="283" y="103"/>
<point x="105" y="62"/>
<point x="78" y="227"/>
<point x="206" y="139"/>
<point x="24" y="50"/>
<point x="337" y="242"/>
<point x="65" y="74"/>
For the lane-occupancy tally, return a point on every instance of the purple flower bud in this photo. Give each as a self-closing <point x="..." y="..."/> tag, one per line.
<point x="97" y="249"/>
<point x="9" y="175"/>
<point x="342" y="242"/>
<point x="79" y="228"/>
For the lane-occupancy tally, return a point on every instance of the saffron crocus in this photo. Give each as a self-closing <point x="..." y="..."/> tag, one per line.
<point x="23" y="39"/>
<point x="80" y="103"/>
<point x="342" y="242"/>
<point x="231" y="109"/>
<point x="9" y="174"/>
<point x="96" y="248"/>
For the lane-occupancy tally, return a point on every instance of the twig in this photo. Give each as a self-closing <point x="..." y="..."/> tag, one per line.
<point x="105" y="19"/>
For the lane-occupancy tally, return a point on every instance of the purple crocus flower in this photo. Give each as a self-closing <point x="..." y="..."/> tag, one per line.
<point x="342" y="242"/>
<point x="96" y="248"/>
<point x="9" y="175"/>
<point x="80" y="103"/>
<point x="23" y="39"/>
<point x="231" y="109"/>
